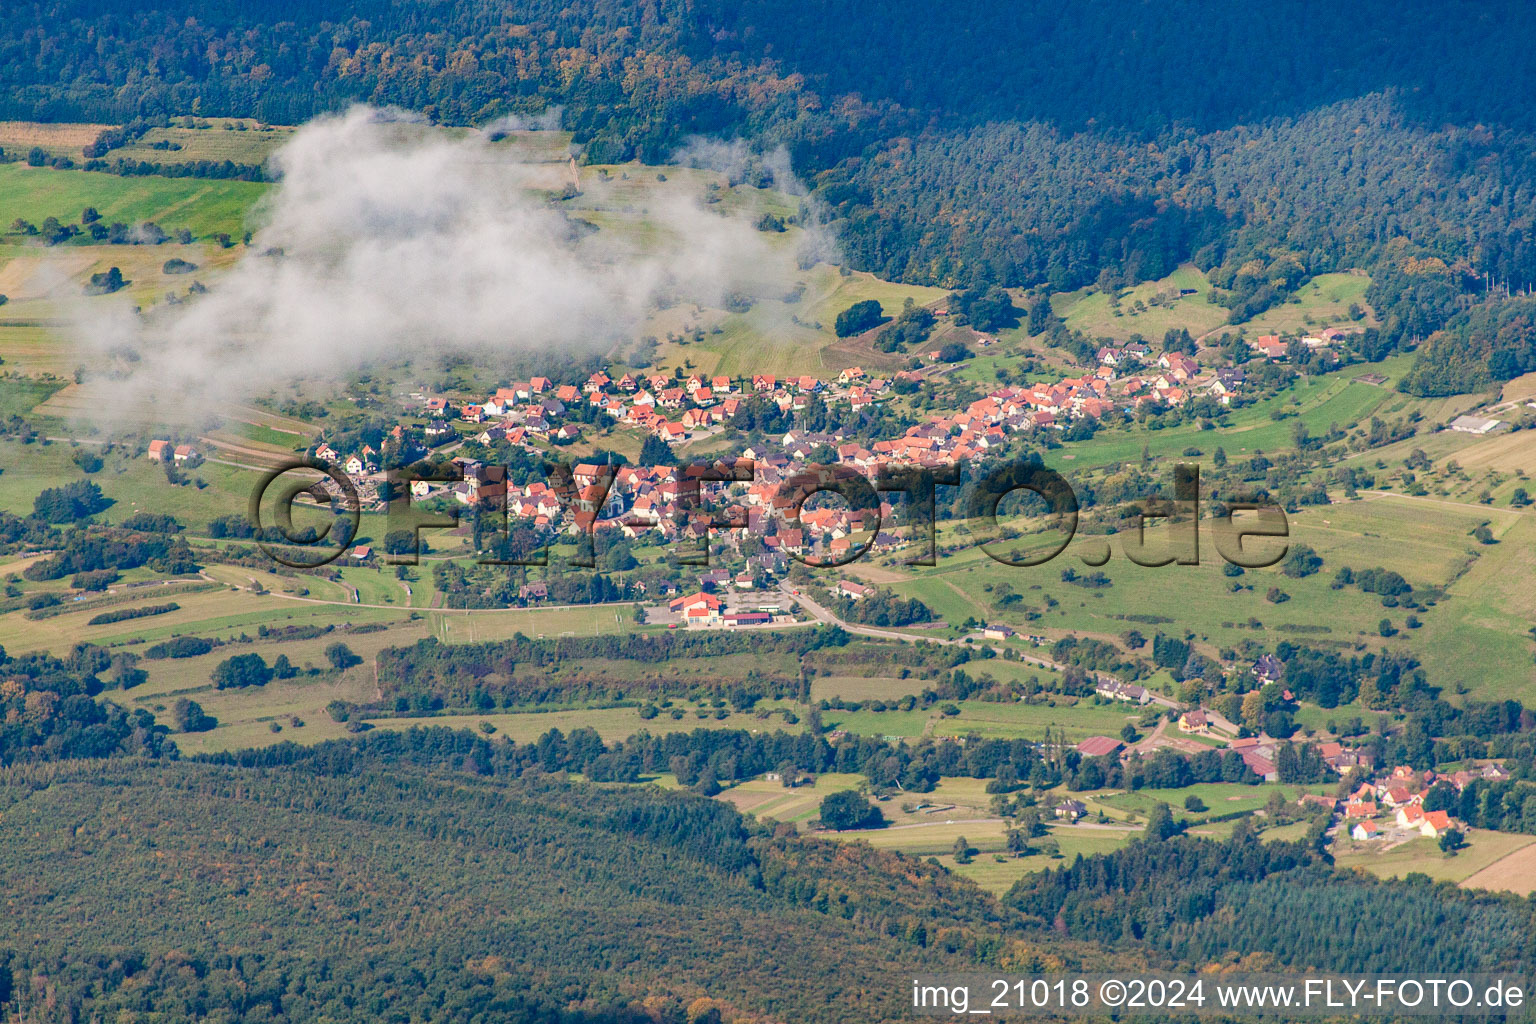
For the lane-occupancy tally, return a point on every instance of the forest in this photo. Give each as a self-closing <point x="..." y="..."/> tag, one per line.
<point x="1195" y="899"/>
<point x="435" y="875"/>
<point x="1047" y="147"/>
<point x="409" y="894"/>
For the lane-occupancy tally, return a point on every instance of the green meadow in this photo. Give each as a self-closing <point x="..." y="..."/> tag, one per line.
<point x="203" y="206"/>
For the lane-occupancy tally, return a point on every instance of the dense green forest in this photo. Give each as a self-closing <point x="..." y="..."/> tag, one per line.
<point x="1197" y="900"/>
<point x="1056" y="145"/>
<point x="377" y="885"/>
<point x="435" y="875"/>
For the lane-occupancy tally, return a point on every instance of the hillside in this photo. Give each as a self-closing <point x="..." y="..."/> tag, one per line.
<point x="374" y="882"/>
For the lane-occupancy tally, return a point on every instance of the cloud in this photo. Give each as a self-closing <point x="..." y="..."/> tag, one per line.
<point x="387" y="241"/>
<point x="741" y="164"/>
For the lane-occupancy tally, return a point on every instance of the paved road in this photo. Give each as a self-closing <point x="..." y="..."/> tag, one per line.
<point x="823" y="614"/>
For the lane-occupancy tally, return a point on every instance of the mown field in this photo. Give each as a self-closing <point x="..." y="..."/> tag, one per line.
<point x="1322" y="302"/>
<point x="238" y="140"/>
<point x="1064" y="716"/>
<point x="1430" y="544"/>
<point x="1484" y="849"/>
<point x="203" y="206"/>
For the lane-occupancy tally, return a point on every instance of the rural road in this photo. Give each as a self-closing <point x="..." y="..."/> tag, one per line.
<point x="822" y="614"/>
<point x="1092" y="825"/>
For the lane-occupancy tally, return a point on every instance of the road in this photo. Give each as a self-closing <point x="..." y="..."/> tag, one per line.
<point x="825" y="615"/>
<point x="1090" y="825"/>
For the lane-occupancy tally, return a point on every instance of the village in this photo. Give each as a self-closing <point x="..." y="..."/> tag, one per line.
<point x="539" y="416"/>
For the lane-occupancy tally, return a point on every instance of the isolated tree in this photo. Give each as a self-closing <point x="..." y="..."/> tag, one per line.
<point x="858" y="318"/>
<point x="848" y="810"/>
<point x="1302" y="561"/>
<point x="1018" y="843"/>
<point x="1041" y="316"/>
<point x="656" y="452"/>
<point x="188" y="716"/>
<point x="241" y="671"/>
<point x="1160" y="824"/>
<point x="341" y="657"/>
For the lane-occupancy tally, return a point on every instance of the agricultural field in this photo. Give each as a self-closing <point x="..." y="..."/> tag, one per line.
<point x="1089" y="310"/>
<point x="1514" y="872"/>
<point x="1322" y="302"/>
<point x="1483" y="852"/>
<point x="203" y="206"/>
<point x="238" y="140"/>
<point x="612" y="724"/>
<point x="18" y="138"/>
<point x="1474" y="640"/>
<point x="1387" y="531"/>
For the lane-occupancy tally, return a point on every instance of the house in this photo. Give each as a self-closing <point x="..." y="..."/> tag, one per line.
<point x="1270" y="346"/>
<point x="1195" y="721"/>
<point x="1410" y="816"/>
<point x="1116" y="690"/>
<point x="1261" y="766"/>
<point x="1360" y="809"/>
<point x="1268" y="668"/>
<point x="1179" y="366"/>
<point x="184" y="452"/>
<point x="998" y="632"/>
<point x="1364" y="830"/>
<point x="1071" y="809"/>
<point x="696" y="600"/>
<point x="362" y="553"/>
<point x="1098" y="746"/>
<point x="1436" y="824"/>
<point x="533" y="592"/>
<point x="158" y="450"/>
<point x="853" y="591"/>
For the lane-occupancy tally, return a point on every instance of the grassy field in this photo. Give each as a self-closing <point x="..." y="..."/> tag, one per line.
<point x="612" y="724"/>
<point x="996" y="871"/>
<point x="1427" y="545"/>
<point x="1424" y="856"/>
<point x="213" y="613"/>
<point x="215" y="142"/>
<point x="989" y="719"/>
<point x="133" y="484"/>
<point x="1322" y="302"/>
<point x="471" y="627"/>
<point x="1088" y="310"/>
<point x="1317" y="402"/>
<point x="1219" y="798"/>
<point x="45" y="286"/>
<point x="203" y="206"/>
<point x="1514" y="872"/>
<point x="784" y="337"/>
<point x="764" y="799"/>
<point x="18" y="138"/>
